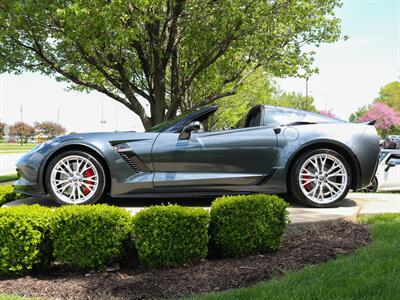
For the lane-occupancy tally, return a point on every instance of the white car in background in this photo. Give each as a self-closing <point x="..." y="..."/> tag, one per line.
<point x="387" y="177"/>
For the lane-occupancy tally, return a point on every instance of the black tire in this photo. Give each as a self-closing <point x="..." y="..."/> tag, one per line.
<point x="100" y="190"/>
<point x="295" y="173"/>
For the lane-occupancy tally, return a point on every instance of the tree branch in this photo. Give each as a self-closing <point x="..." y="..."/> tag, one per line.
<point x="230" y="92"/>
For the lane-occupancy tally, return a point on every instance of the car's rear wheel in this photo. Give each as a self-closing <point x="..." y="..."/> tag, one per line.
<point x="372" y="187"/>
<point x="75" y="177"/>
<point x="321" y="178"/>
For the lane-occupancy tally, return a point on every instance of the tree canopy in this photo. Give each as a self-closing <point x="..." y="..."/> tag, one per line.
<point x="50" y="129"/>
<point x="390" y="95"/>
<point x="259" y="89"/>
<point x="168" y="54"/>
<point x="359" y="113"/>
<point x="2" y="126"/>
<point x="22" y="131"/>
<point x="386" y="117"/>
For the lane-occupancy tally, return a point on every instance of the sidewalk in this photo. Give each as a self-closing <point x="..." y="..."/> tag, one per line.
<point x="377" y="203"/>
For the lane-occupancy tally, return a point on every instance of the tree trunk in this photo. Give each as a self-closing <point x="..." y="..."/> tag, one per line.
<point x="158" y="106"/>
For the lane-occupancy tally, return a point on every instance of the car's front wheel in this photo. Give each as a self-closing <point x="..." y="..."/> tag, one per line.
<point x="75" y="177"/>
<point x="321" y="178"/>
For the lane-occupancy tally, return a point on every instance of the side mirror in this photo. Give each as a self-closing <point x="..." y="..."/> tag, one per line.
<point x="389" y="164"/>
<point x="187" y="130"/>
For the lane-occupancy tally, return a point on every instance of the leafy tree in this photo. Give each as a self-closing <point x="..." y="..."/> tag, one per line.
<point x="50" y="129"/>
<point x="2" y="126"/>
<point x="328" y="114"/>
<point x="22" y="131"/>
<point x="390" y="95"/>
<point x="169" y="54"/>
<point x="295" y="100"/>
<point x="359" y="113"/>
<point x="387" y="119"/>
<point x="259" y="89"/>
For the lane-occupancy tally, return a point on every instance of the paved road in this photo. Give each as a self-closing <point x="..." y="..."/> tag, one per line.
<point x="7" y="162"/>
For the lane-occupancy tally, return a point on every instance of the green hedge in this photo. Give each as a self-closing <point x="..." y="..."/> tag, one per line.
<point x="171" y="235"/>
<point x="91" y="237"/>
<point x="7" y="194"/>
<point x="24" y="239"/>
<point x="242" y="225"/>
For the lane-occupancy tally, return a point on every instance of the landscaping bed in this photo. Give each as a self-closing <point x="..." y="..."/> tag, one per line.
<point x="301" y="246"/>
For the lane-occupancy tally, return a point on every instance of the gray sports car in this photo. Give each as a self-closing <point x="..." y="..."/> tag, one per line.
<point x="277" y="150"/>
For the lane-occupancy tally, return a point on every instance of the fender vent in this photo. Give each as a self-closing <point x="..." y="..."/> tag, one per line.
<point x="130" y="162"/>
<point x="131" y="158"/>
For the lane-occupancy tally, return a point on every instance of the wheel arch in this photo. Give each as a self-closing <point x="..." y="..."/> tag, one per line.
<point x="340" y="148"/>
<point x="79" y="147"/>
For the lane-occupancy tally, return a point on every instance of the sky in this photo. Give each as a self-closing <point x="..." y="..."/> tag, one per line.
<point x="351" y="74"/>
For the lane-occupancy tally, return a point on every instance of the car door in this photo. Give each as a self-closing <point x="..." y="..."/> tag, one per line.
<point x="391" y="175"/>
<point x="213" y="160"/>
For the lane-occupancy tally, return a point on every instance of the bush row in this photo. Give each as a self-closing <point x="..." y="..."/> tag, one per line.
<point x="92" y="237"/>
<point x="7" y="194"/>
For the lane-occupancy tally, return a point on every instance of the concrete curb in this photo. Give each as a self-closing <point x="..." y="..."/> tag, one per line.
<point x="299" y="216"/>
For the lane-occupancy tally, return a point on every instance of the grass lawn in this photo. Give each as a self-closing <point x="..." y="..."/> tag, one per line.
<point x="370" y="273"/>
<point x="7" y="297"/>
<point x="15" y="148"/>
<point x="10" y="177"/>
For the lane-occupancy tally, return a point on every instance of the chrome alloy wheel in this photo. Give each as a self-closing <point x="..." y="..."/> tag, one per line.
<point x="323" y="178"/>
<point x="74" y="179"/>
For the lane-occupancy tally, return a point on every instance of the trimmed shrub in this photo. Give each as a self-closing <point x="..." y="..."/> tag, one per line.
<point x="25" y="239"/>
<point x="91" y="237"/>
<point x="7" y="194"/>
<point x="242" y="225"/>
<point x="171" y="235"/>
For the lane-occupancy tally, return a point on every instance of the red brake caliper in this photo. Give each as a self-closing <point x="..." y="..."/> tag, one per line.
<point x="305" y="179"/>
<point x="88" y="173"/>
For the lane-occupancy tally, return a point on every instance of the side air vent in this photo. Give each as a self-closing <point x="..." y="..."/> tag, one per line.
<point x="131" y="158"/>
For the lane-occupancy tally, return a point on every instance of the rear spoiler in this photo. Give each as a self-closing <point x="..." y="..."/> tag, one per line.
<point x="372" y="122"/>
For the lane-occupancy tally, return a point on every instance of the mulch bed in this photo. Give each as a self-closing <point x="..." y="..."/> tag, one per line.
<point x="301" y="247"/>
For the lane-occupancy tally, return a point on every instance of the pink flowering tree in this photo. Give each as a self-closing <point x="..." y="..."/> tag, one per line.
<point x="387" y="119"/>
<point x="328" y="113"/>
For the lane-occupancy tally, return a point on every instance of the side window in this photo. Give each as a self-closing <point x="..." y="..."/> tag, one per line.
<point x="273" y="117"/>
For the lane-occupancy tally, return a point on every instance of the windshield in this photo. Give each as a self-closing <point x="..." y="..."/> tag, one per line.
<point x="165" y="125"/>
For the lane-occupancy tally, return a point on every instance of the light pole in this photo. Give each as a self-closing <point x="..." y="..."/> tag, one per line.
<point x="102" y="121"/>
<point x="306" y="88"/>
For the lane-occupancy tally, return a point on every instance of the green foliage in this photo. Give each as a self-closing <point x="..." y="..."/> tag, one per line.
<point x="295" y="100"/>
<point x="359" y="113"/>
<point x="7" y="194"/>
<point x="7" y="178"/>
<point x="258" y="89"/>
<point x="24" y="239"/>
<point x="390" y="95"/>
<point x="171" y="235"/>
<point x="91" y="237"/>
<point x="242" y="225"/>
<point x="175" y="54"/>
<point x="50" y="129"/>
